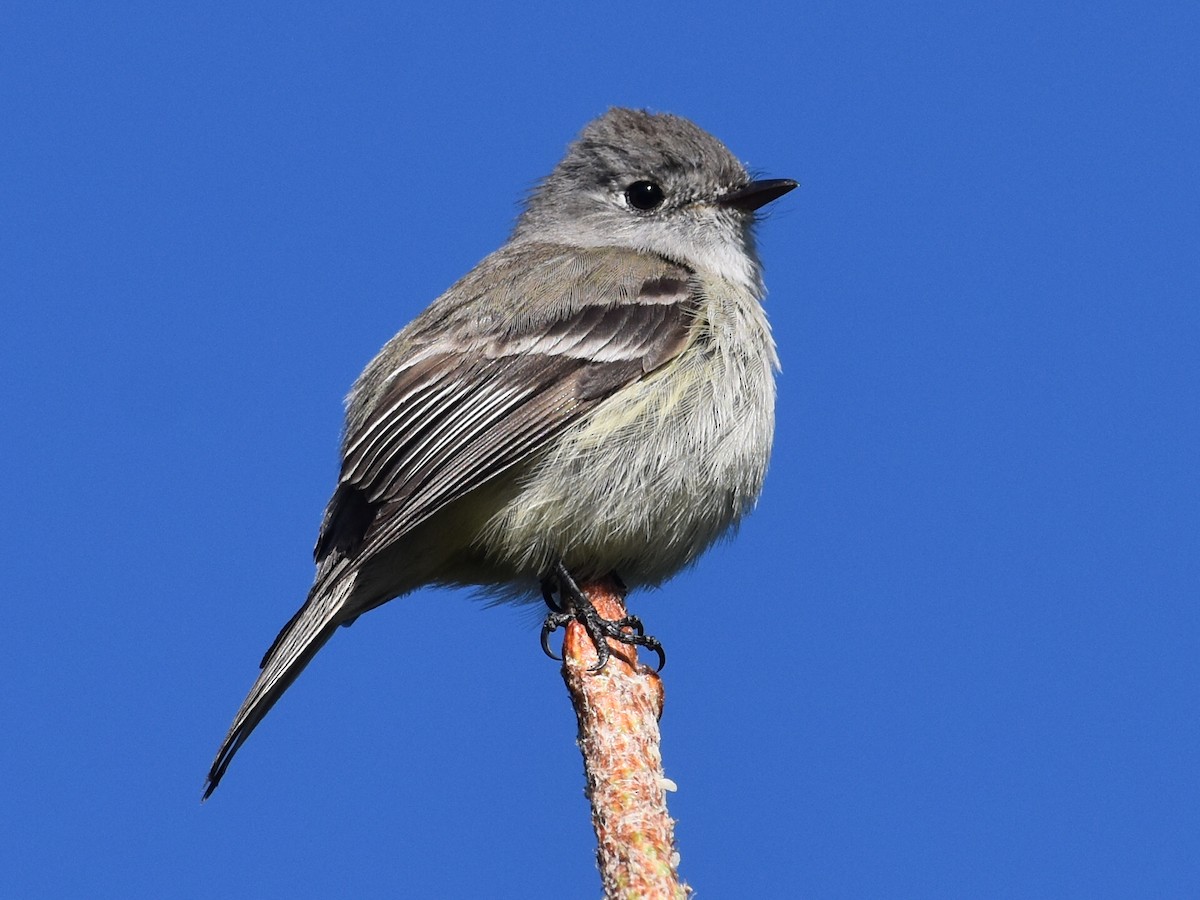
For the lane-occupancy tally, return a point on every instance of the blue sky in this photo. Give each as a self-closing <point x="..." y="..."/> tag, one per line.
<point x="953" y="653"/>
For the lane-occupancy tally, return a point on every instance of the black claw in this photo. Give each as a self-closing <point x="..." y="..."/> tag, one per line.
<point x="603" y="653"/>
<point x="632" y="622"/>
<point x="546" y="629"/>
<point x="552" y="623"/>
<point x="662" y="655"/>
<point x="548" y="596"/>
<point x="573" y="604"/>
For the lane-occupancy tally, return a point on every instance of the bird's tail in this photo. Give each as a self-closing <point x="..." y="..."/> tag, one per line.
<point x="296" y="644"/>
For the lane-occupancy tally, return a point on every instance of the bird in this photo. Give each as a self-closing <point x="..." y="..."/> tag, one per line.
<point x="595" y="398"/>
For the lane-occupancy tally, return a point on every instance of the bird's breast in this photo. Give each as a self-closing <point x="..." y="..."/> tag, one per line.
<point x="661" y="469"/>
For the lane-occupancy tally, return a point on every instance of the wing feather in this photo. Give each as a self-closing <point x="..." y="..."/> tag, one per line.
<point x="461" y="398"/>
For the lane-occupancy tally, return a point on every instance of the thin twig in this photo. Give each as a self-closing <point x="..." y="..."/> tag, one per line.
<point x="618" y="710"/>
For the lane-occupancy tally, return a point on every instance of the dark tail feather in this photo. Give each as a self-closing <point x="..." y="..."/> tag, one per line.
<point x="298" y="643"/>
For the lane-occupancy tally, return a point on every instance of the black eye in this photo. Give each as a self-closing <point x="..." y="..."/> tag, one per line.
<point x="644" y="195"/>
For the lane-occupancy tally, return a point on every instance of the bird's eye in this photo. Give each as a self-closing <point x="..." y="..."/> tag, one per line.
<point x="644" y="195"/>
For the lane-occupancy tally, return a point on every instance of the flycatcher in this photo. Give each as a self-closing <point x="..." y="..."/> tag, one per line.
<point x="595" y="398"/>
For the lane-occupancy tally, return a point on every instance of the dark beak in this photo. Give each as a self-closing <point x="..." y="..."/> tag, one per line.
<point x="757" y="193"/>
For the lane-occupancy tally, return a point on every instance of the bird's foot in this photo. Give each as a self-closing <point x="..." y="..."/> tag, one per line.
<point x="572" y="605"/>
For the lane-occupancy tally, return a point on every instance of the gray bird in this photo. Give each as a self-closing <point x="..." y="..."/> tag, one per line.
<point x="595" y="398"/>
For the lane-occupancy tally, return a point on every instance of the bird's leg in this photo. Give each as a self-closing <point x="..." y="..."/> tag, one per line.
<point x="572" y="604"/>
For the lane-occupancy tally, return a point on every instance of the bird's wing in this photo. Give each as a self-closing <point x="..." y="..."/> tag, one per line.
<point x="467" y="406"/>
<point x="468" y="396"/>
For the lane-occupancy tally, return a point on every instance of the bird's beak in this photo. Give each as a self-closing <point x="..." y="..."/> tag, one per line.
<point x="757" y="193"/>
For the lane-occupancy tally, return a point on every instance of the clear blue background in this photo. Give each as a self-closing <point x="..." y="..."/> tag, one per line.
<point x="954" y="652"/>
